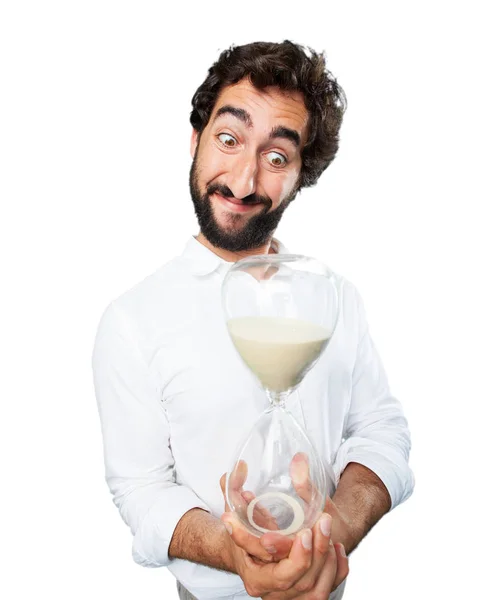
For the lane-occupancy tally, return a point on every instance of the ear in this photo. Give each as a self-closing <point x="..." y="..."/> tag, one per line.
<point x="194" y="142"/>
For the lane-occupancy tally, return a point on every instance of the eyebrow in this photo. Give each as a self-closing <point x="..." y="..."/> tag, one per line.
<point x="277" y="132"/>
<point x="238" y="113"/>
<point x="288" y="134"/>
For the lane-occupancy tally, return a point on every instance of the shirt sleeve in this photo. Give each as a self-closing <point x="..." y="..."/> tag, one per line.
<point x="139" y="465"/>
<point x="376" y="432"/>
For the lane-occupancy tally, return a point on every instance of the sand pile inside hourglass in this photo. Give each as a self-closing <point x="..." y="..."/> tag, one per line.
<point x="278" y="350"/>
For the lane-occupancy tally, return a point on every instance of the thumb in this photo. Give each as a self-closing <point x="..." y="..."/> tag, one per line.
<point x="342" y="565"/>
<point x="228" y="521"/>
<point x="223" y="480"/>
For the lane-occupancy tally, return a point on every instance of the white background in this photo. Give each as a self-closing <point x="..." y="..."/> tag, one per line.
<point x="94" y="141"/>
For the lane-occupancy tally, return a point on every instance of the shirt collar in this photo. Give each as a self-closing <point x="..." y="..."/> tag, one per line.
<point x="202" y="261"/>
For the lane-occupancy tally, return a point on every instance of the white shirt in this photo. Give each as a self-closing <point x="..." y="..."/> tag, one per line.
<point x="175" y="399"/>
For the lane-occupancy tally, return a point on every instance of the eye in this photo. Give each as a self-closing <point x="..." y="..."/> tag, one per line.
<point x="227" y="140"/>
<point x="276" y="159"/>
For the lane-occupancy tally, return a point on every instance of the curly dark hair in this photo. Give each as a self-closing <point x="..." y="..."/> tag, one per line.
<point x="289" y="67"/>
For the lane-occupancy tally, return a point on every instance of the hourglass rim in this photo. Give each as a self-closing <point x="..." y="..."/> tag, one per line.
<point x="279" y="258"/>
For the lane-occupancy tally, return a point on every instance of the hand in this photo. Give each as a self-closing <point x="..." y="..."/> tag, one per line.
<point x="314" y="567"/>
<point x="319" y="568"/>
<point x="270" y="547"/>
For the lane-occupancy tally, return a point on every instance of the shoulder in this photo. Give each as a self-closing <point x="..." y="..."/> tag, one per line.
<point x="151" y="299"/>
<point x="350" y="302"/>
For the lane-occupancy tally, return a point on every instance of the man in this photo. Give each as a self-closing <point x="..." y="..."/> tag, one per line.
<point x="175" y="399"/>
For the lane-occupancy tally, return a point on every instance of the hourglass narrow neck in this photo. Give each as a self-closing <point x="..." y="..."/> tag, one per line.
<point x="277" y="398"/>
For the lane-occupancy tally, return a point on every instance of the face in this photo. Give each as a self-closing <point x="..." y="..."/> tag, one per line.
<point x="246" y="164"/>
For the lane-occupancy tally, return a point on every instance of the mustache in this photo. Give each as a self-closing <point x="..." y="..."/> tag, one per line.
<point x="224" y="191"/>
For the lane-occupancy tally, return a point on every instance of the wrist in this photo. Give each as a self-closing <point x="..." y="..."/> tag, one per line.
<point x="344" y="530"/>
<point x="227" y="551"/>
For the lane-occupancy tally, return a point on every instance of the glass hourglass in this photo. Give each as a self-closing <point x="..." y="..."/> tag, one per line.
<point x="281" y="311"/>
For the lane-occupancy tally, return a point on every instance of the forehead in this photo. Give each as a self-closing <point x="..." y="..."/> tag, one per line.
<point x="266" y="106"/>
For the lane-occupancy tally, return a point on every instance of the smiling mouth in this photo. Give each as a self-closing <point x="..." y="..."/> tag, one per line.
<point x="236" y="204"/>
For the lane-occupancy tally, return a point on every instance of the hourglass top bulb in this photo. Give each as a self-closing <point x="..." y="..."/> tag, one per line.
<point x="281" y="311"/>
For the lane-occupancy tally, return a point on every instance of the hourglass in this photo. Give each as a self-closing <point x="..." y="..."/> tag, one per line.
<point x="281" y="311"/>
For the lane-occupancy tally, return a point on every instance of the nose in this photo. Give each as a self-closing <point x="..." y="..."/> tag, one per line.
<point x="241" y="178"/>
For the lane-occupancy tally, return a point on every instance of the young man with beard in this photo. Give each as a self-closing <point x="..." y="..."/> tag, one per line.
<point x="173" y="396"/>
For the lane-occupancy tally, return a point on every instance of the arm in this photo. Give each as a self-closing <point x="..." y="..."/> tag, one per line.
<point x="202" y="538"/>
<point x="318" y="567"/>
<point x="139" y="466"/>
<point x="360" y="501"/>
<point x="199" y="537"/>
<point x="372" y="463"/>
<point x="167" y="520"/>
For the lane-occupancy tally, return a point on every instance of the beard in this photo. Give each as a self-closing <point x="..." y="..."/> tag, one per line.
<point x="257" y="230"/>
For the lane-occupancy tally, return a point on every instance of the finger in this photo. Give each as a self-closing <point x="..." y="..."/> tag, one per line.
<point x="244" y="539"/>
<point x="342" y="565"/>
<point x="299" y="472"/>
<point x="233" y="498"/>
<point x="321" y="536"/>
<point x="261" y="515"/>
<point x="321" y="545"/>
<point x="248" y="496"/>
<point x="238" y="475"/>
<point x="223" y="479"/>
<point x="236" y="479"/>
<point x="277" y="544"/>
<point x="291" y="569"/>
<point x="325" y="582"/>
<point x="301" y="478"/>
<point x="280" y="576"/>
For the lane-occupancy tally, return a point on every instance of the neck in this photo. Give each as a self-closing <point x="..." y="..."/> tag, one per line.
<point x="235" y="256"/>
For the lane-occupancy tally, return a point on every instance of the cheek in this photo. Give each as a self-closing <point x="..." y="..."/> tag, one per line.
<point x="278" y="188"/>
<point x="211" y="164"/>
